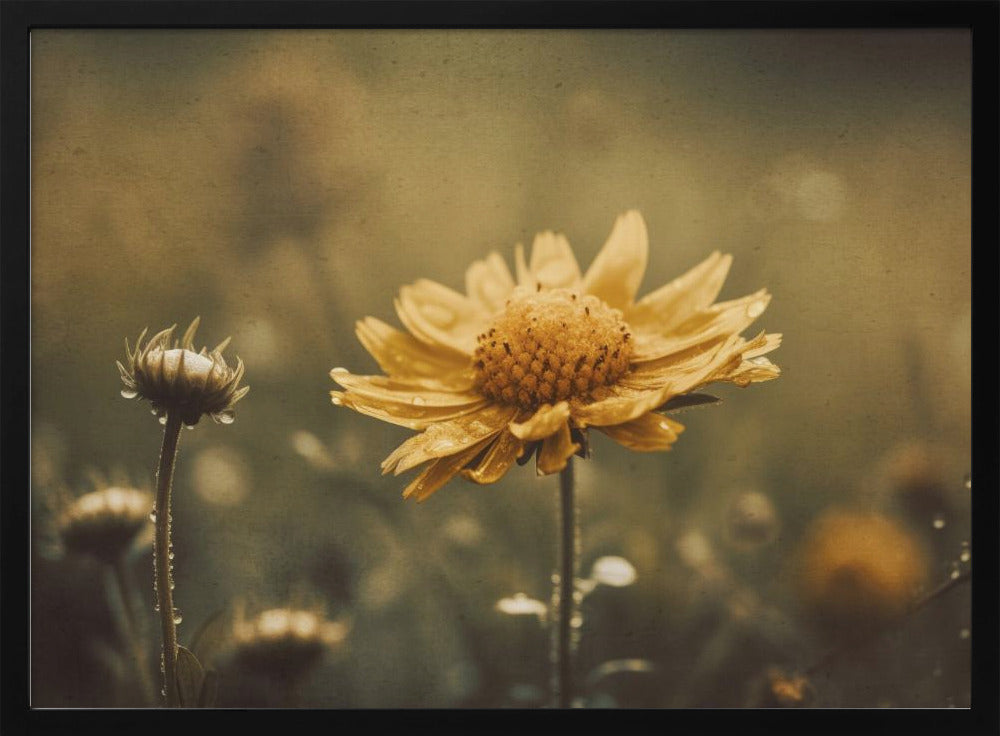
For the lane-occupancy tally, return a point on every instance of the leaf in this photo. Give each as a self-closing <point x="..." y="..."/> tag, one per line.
<point x="190" y="677"/>
<point x="210" y="635"/>
<point x="689" y="401"/>
<point x="209" y="689"/>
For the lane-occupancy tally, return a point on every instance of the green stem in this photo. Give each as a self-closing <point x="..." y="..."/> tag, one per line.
<point x="162" y="576"/>
<point x="130" y="628"/>
<point x="567" y="578"/>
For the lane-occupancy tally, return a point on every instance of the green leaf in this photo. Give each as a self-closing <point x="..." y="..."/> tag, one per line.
<point x="190" y="678"/>
<point x="689" y="401"/>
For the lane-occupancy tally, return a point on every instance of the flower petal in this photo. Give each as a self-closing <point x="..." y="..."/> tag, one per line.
<point x="440" y="472"/>
<point x="414" y="392"/>
<point x="504" y="451"/>
<point x="441" y="316"/>
<point x="403" y="356"/>
<point x="546" y="420"/>
<point x="489" y="282"/>
<point x="617" y="271"/>
<point x="448" y="438"/>
<point x="718" y="321"/>
<point x="553" y="264"/>
<point x="647" y="433"/>
<point x="403" y="414"/>
<point x="556" y="451"/>
<point x="662" y="310"/>
<point x="623" y="405"/>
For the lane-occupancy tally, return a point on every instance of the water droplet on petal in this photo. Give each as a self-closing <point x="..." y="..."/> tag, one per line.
<point x="152" y="516"/>
<point x="163" y="419"/>
<point x="337" y="401"/>
<point x="225" y="417"/>
<point x="129" y="393"/>
<point x="965" y="556"/>
<point x="418" y="401"/>
<point x="340" y="371"/>
<point x="756" y="309"/>
<point x="938" y="522"/>
<point x="178" y="618"/>
<point x="170" y="555"/>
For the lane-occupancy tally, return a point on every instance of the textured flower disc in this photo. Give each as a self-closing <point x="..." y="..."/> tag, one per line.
<point x="522" y="366"/>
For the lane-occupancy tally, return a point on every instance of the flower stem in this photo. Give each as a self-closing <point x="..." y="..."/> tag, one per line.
<point x="162" y="576"/>
<point x="130" y="628"/>
<point x="567" y="578"/>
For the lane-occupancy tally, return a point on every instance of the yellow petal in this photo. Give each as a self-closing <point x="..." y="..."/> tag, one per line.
<point x="556" y="451"/>
<point x="504" y="451"/>
<point x="403" y="356"/>
<point x="668" y="306"/>
<point x="412" y="392"/>
<point x="404" y="415"/>
<point x="647" y="433"/>
<point x="623" y="405"/>
<point x="440" y="472"/>
<point x="542" y="423"/>
<point x="617" y="271"/>
<point x="489" y="282"/>
<point x="719" y="320"/>
<point x="448" y="438"/>
<point x="441" y="316"/>
<point x="553" y="264"/>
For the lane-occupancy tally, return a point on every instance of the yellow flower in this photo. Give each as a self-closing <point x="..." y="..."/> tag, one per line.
<point x="516" y="367"/>
<point x="859" y="570"/>
<point x="179" y="379"/>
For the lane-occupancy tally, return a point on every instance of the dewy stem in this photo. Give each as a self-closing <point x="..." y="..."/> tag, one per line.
<point x="162" y="576"/>
<point x="567" y="579"/>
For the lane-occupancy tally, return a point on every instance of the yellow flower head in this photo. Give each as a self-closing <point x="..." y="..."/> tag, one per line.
<point x="859" y="570"/>
<point x="179" y="379"/>
<point x="524" y="366"/>
<point x="287" y="641"/>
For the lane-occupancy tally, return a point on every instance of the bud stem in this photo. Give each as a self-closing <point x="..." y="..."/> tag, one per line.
<point x="567" y="579"/>
<point x="162" y="564"/>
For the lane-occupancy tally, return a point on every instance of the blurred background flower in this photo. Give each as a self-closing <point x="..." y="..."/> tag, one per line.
<point x="281" y="184"/>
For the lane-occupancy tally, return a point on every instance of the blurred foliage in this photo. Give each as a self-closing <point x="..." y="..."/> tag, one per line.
<point x="284" y="184"/>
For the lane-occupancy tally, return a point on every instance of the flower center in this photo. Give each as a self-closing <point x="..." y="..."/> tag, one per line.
<point x="550" y="346"/>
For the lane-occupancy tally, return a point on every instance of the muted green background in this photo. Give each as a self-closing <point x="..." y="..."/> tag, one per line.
<point x="284" y="184"/>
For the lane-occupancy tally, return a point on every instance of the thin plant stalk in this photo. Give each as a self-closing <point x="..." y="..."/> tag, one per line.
<point x="122" y="588"/>
<point x="162" y="575"/>
<point x="566" y="588"/>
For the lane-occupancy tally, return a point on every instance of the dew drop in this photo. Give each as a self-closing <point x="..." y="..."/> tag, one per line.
<point x="163" y="419"/>
<point x="172" y="585"/>
<point x="339" y="371"/>
<point x="967" y="482"/>
<point x="225" y="417"/>
<point x="152" y="516"/>
<point x="965" y="556"/>
<point x="129" y="393"/>
<point x="938" y="522"/>
<point x="156" y="607"/>
<point x="337" y="401"/>
<point x="170" y="555"/>
<point x="178" y="618"/>
<point x="756" y="309"/>
<point x="418" y="401"/>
